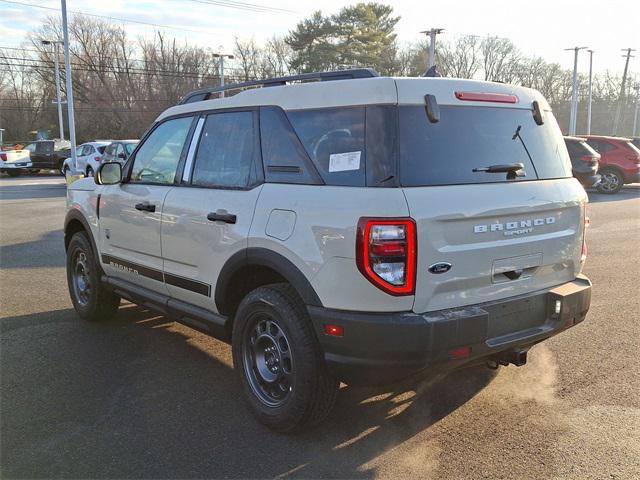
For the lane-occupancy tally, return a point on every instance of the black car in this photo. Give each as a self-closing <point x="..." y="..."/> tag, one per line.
<point x="636" y="141"/>
<point x="119" y="151"/>
<point x="584" y="161"/>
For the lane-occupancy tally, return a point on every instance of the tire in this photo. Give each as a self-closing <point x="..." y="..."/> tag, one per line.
<point x="611" y="182"/>
<point x="34" y="172"/>
<point x="65" y="170"/>
<point x="279" y="360"/>
<point x="89" y="172"/>
<point x="89" y="296"/>
<point x="13" y="173"/>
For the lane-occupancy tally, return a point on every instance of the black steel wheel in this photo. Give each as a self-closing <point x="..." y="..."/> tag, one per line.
<point x="279" y="360"/>
<point x="267" y="360"/>
<point x="90" y="298"/>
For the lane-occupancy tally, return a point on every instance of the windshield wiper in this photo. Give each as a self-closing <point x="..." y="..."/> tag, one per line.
<point x="512" y="170"/>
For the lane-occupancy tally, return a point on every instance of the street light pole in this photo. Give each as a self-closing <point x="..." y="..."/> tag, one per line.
<point x="635" y="116"/>
<point x="574" y="93"/>
<point x="67" y="67"/>
<point x="431" y="60"/>
<point x="56" y="45"/>
<point x="590" y="91"/>
<point x="222" y="56"/>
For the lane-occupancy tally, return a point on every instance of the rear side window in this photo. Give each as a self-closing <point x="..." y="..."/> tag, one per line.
<point x="285" y="159"/>
<point x="334" y="140"/>
<point x="101" y="149"/>
<point x="465" y="138"/>
<point x="226" y="152"/>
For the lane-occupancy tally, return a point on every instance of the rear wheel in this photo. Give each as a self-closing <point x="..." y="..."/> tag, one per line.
<point x="90" y="298"/>
<point x="89" y="172"/>
<point x="611" y="181"/>
<point x="279" y="360"/>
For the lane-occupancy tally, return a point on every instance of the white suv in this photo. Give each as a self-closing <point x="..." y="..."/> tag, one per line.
<point x="89" y="156"/>
<point x="357" y="228"/>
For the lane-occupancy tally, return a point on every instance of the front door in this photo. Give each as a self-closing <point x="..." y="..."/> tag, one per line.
<point x="207" y="219"/>
<point x="130" y="212"/>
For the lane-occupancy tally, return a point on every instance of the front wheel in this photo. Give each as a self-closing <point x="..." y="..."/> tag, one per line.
<point x="611" y="182"/>
<point x="279" y="360"/>
<point x="89" y="296"/>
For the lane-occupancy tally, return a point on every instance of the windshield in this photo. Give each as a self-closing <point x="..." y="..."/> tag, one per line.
<point x="468" y="138"/>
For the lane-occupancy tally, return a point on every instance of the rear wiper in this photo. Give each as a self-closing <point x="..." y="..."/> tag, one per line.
<point x="512" y="170"/>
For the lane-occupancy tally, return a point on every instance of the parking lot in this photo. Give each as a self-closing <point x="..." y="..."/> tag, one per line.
<point x="142" y="397"/>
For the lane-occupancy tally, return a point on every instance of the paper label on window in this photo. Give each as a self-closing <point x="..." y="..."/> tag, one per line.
<point x="341" y="162"/>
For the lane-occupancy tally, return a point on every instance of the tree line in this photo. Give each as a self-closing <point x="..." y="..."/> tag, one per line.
<point x="121" y="84"/>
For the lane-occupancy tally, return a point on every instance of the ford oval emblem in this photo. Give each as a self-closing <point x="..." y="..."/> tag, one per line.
<point x="440" y="267"/>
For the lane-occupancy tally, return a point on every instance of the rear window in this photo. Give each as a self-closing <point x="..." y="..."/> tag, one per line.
<point x="579" y="148"/>
<point x="446" y="152"/>
<point x="129" y="147"/>
<point x="101" y="149"/>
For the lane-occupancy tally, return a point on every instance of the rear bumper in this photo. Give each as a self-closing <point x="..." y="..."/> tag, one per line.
<point x="380" y="348"/>
<point x="15" y="165"/>
<point x="588" y="180"/>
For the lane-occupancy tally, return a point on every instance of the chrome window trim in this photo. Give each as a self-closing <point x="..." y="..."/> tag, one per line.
<point x="186" y="173"/>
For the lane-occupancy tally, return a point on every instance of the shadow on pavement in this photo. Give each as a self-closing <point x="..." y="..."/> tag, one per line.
<point x="628" y="192"/>
<point x="47" y="251"/>
<point x="140" y="397"/>
<point x="25" y="192"/>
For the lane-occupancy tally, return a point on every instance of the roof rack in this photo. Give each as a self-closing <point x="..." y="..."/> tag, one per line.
<point x="206" y="93"/>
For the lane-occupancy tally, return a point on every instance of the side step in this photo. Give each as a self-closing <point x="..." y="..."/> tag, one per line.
<point x="192" y="316"/>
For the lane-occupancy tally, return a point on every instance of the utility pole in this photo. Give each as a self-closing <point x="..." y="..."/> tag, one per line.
<point x="222" y="56"/>
<point x="635" y="116"/>
<point x="1" y="132"/>
<point x="590" y="91"/>
<point x="574" y="91"/>
<point x="67" y="68"/>
<point x="616" y="121"/>
<point x="56" y="44"/>
<point x="431" y="60"/>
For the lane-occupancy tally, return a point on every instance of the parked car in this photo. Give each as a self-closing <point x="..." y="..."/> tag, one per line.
<point x="619" y="162"/>
<point x="119" y="151"/>
<point x="584" y="161"/>
<point x="42" y="155"/>
<point x="89" y="157"/>
<point x="260" y="219"/>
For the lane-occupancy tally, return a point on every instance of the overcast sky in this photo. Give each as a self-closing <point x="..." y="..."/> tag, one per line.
<point x="541" y="27"/>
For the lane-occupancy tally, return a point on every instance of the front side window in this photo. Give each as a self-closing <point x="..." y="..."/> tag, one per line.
<point x="158" y="157"/>
<point x="226" y="152"/>
<point x="129" y="147"/>
<point x="334" y="140"/>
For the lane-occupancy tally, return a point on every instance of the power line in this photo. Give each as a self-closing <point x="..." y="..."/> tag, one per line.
<point x="108" y="17"/>
<point x="243" y="6"/>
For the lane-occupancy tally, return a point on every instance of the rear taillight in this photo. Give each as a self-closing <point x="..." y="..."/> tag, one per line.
<point x="98" y="159"/>
<point x="386" y="253"/>
<point x="3" y="157"/>
<point x="583" y="253"/>
<point x="591" y="159"/>
<point x="486" y="97"/>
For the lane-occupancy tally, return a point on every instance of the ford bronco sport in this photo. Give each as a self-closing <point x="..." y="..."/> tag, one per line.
<point x="354" y="228"/>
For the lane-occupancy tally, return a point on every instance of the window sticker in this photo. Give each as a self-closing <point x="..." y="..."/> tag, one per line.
<point x="342" y="162"/>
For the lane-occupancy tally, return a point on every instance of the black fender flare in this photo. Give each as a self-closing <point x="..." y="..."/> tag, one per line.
<point x="265" y="258"/>
<point x="76" y="215"/>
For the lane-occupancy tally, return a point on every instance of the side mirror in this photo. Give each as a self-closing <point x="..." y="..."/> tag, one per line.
<point x="109" y="173"/>
<point x="122" y="156"/>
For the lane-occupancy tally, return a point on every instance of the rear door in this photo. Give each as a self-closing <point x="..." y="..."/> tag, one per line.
<point x="207" y="218"/>
<point x="485" y="236"/>
<point x="130" y="212"/>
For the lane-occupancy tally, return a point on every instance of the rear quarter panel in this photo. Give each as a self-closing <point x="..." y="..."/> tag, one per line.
<point x="321" y="243"/>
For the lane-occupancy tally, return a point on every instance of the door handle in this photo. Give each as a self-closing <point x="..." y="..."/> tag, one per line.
<point x="146" y="207"/>
<point x="221" y="217"/>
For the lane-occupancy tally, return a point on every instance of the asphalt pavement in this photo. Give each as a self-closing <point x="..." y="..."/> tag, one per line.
<point x="142" y="397"/>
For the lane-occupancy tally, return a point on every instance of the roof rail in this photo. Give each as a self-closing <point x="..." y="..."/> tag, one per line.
<point x="206" y="93"/>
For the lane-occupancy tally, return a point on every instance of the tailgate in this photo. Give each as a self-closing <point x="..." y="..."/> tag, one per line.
<point x="501" y="239"/>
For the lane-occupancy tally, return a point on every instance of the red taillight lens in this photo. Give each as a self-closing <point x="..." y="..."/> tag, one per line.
<point x="98" y="159"/>
<point x="334" y="330"/>
<point x="589" y="158"/>
<point x="386" y="253"/>
<point x="3" y="157"/>
<point x="583" y="253"/>
<point x="486" y="97"/>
